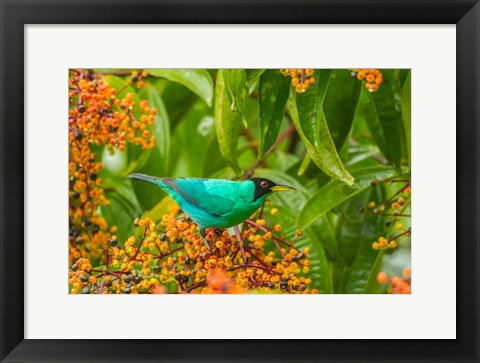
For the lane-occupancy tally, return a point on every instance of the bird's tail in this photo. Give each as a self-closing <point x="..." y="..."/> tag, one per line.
<point x="147" y="178"/>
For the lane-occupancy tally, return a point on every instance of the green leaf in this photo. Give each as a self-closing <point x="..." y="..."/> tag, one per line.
<point x="212" y="162"/>
<point x="235" y="81"/>
<point x="122" y="186"/>
<point x="122" y="210"/>
<point x="161" y="127"/>
<point x="273" y="91"/>
<point x="325" y="230"/>
<point x="309" y="105"/>
<point x="304" y="165"/>
<point x="353" y="227"/>
<point x="335" y="193"/>
<point x="191" y="137"/>
<point x="401" y="76"/>
<point x="355" y="279"/>
<point x="319" y="268"/>
<point x="383" y="114"/>
<point x="197" y="80"/>
<point x="340" y="104"/>
<point x="152" y="161"/>
<point x="373" y="286"/>
<point x="406" y="112"/>
<point x="307" y="115"/>
<point x="227" y="124"/>
<point x="178" y="99"/>
<point x="252" y="76"/>
<point x="161" y="131"/>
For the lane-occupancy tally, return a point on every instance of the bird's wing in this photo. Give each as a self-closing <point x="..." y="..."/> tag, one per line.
<point x="203" y="194"/>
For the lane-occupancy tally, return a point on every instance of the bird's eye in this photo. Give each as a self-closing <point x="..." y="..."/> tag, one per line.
<point x="264" y="184"/>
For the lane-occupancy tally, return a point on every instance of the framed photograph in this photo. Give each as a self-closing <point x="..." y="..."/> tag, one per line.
<point x="223" y="182"/>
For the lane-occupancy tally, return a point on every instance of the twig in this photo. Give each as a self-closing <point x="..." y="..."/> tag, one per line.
<point x="240" y="241"/>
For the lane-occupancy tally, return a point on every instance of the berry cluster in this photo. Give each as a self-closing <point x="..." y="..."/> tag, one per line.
<point x="383" y="243"/>
<point x="397" y="285"/>
<point x="372" y="78"/>
<point x="394" y="209"/>
<point x="301" y="78"/>
<point x="171" y="256"/>
<point x="98" y="116"/>
<point x="138" y="78"/>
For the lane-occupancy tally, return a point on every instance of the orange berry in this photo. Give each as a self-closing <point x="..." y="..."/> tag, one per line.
<point x="382" y="277"/>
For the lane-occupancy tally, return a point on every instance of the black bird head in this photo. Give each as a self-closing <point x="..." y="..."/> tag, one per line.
<point x="264" y="186"/>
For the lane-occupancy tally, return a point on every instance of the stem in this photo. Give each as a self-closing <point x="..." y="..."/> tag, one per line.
<point x="393" y="181"/>
<point x="240" y="241"/>
<point x="389" y="214"/>
<point x="408" y="231"/>
<point x="255" y="257"/>
<point x="254" y="266"/>
<point x="199" y="284"/>
<point x="115" y="73"/>
<point x="278" y="247"/>
<point x="397" y="193"/>
<point x="261" y="209"/>
<point x="138" y="249"/>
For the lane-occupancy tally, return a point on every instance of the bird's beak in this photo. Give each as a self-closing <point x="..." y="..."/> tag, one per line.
<point x="281" y="188"/>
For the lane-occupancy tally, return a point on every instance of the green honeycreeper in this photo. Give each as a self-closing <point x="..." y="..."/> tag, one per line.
<point x="216" y="203"/>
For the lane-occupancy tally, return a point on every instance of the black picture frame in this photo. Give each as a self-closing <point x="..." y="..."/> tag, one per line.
<point x="15" y="14"/>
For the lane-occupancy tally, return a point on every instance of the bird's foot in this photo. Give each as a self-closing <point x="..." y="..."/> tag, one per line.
<point x="204" y="236"/>
<point x="217" y="233"/>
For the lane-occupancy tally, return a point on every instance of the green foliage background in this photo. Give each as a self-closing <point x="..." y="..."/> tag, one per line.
<point x="334" y="139"/>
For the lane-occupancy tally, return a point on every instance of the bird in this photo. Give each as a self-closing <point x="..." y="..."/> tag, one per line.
<point x="217" y="203"/>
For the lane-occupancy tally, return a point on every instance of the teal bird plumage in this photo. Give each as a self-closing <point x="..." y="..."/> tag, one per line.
<point x="217" y="203"/>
